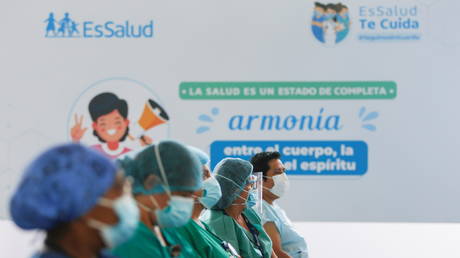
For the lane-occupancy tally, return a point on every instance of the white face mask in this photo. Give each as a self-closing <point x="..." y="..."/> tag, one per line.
<point x="128" y="217"/>
<point x="179" y="209"/>
<point x="212" y="192"/>
<point x="281" y="184"/>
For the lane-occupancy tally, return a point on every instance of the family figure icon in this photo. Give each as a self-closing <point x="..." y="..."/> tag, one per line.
<point x="64" y="28"/>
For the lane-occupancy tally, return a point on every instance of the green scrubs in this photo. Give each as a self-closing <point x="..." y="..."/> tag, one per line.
<point x="205" y="243"/>
<point x="243" y="241"/>
<point x="175" y="237"/>
<point x="144" y="244"/>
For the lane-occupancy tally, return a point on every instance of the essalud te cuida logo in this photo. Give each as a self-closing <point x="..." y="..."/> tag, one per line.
<point x="330" y="23"/>
<point x="67" y="27"/>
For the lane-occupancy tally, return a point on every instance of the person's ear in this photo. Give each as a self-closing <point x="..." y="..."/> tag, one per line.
<point x="126" y="121"/>
<point x="206" y="172"/>
<point x="94" y="125"/>
<point x="199" y="193"/>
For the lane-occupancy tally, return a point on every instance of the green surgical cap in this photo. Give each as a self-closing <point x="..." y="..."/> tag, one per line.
<point x="204" y="158"/>
<point x="232" y="175"/>
<point x="182" y="168"/>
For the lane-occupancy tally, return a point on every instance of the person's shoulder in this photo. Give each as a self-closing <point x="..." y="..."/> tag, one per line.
<point x="277" y="209"/>
<point x="142" y="229"/>
<point x="215" y="216"/>
<point x="174" y="235"/>
<point x="187" y="229"/>
<point x="219" y="222"/>
<point x="208" y="228"/>
<point x="268" y="213"/>
<point x="141" y="234"/>
<point x="269" y="208"/>
<point x="142" y="244"/>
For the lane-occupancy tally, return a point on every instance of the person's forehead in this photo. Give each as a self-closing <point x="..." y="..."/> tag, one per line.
<point x="275" y="163"/>
<point x="113" y="113"/>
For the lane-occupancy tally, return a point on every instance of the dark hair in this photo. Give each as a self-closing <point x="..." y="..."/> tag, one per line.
<point x="104" y="104"/>
<point x="260" y="161"/>
<point x="320" y="5"/>
<point x="339" y="7"/>
<point x="331" y="6"/>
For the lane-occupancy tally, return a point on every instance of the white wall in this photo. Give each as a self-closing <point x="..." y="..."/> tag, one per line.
<point x="381" y="240"/>
<point x="325" y="240"/>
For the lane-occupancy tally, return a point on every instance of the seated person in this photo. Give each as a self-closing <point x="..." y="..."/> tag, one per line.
<point x="77" y="196"/>
<point x="165" y="177"/>
<point x="230" y="218"/>
<point x="205" y="242"/>
<point x="286" y="241"/>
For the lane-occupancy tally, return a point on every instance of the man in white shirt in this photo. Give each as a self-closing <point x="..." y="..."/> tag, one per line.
<point x="286" y="241"/>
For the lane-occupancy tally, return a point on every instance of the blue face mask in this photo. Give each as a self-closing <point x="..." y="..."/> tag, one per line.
<point x="251" y="199"/>
<point x="128" y="217"/>
<point x="211" y="194"/>
<point x="176" y="214"/>
<point x="179" y="209"/>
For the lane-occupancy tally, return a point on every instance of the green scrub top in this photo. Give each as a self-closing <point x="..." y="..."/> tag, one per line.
<point x="229" y="230"/>
<point x="205" y="243"/>
<point x="144" y="244"/>
<point x="187" y="250"/>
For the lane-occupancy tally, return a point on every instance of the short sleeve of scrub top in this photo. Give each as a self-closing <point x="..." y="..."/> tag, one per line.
<point x="291" y="241"/>
<point x="204" y="242"/>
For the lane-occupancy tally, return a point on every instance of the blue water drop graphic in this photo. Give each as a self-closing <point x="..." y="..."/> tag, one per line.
<point x="370" y="127"/>
<point x="215" y="111"/>
<point x="205" y="118"/>
<point x="202" y="129"/>
<point x="371" y="116"/>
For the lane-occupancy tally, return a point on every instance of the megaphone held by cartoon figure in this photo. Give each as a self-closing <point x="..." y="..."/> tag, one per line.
<point x="152" y="116"/>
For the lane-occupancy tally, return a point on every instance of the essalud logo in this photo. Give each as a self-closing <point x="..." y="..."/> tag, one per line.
<point x="67" y="27"/>
<point x="330" y="23"/>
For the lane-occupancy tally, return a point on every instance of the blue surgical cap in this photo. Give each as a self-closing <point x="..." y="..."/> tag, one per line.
<point x="60" y="185"/>
<point x="182" y="168"/>
<point x="204" y="158"/>
<point x="232" y="174"/>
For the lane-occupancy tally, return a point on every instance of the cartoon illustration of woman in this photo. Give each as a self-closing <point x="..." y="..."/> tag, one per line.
<point x="110" y="125"/>
<point x="51" y="25"/>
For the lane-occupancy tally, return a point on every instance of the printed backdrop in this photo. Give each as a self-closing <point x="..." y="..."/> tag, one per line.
<point x="360" y="97"/>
